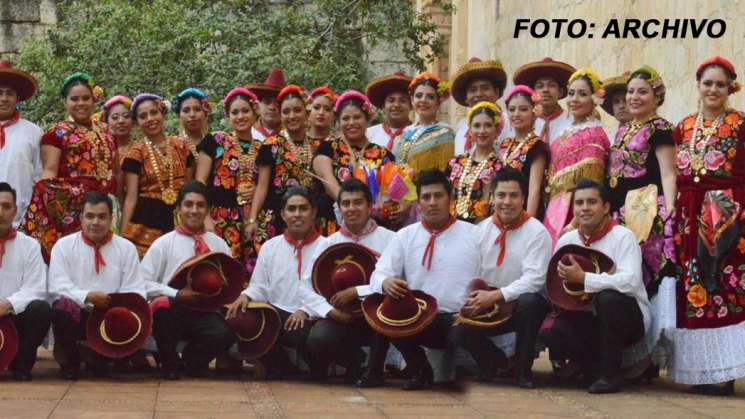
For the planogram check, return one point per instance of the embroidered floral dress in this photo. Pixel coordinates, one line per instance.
(287, 170)
(634, 178)
(581, 151)
(153, 216)
(343, 163)
(87, 164)
(471, 180)
(520, 156)
(233, 165)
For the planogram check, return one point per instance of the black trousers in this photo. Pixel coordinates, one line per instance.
(32, 326)
(330, 340)
(67, 334)
(206, 333)
(596, 340)
(276, 359)
(438, 335)
(530, 310)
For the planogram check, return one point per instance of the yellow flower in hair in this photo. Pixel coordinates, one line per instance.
(595, 83)
(485, 105)
(443, 89)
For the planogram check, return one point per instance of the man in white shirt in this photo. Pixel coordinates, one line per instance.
(22, 286)
(391, 94)
(548, 78)
(269, 122)
(278, 279)
(206, 333)
(20, 162)
(337, 336)
(474, 82)
(438, 256)
(621, 314)
(84, 268)
(515, 251)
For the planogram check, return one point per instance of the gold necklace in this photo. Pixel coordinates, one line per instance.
(509, 154)
(100, 149)
(302, 155)
(167, 194)
(698, 139)
(465, 187)
(632, 129)
(245, 163)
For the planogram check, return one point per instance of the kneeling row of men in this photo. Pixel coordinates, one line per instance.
(423, 291)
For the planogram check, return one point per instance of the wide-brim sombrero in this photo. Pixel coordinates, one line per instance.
(612, 86)
(399, 318)
(378, 89)
(256, 329)
(216, 274)
(529, 73)
(24, 83)
(341, 266)
(569, 296)
(491, 70)
(122, 328)
(495, 316)
(8, 342)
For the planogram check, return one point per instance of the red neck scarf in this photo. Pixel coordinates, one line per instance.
(598, 234)
(8, 237)
(298, 245)
(262, 129)
(369, 227)
(429, 251)
(503, 229)
(200, 246)
(97, 249)
(13, 119)
(393, 133)
(547, 121)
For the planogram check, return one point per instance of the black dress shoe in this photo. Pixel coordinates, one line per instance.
(421, 379)
(526, 382)
(370, 380)
(604, 386)
(21, 375)
(70, 373)
(725, 389)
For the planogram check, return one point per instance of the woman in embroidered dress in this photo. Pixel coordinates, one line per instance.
(472, 172)
(284, 161)
(526, 151)
(77, 157)
(710, 238)
(343, 156)
(227, 166)
(581, 151)
(155, 170)
(321, 113)
(192, 108)
(117, 123)
(427, 144)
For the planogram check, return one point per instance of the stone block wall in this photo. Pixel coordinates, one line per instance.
(21, 19)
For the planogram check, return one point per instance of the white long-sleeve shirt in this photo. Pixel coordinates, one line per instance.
(20, 162)
(376, 241)
(72, 268)
(455, 263)
(167, 253)
(275, 278)
(23, 275)
(528, 251)
(620, 245)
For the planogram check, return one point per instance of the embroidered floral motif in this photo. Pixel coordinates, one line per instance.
(718, 150)
(629, 160)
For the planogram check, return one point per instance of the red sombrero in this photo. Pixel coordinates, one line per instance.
(215, 274)
(256, 329)
(8, 342)
(122, 328)
(476, 69)
(529, 73)
(612, 86)
(342, 266)
(379, 88)
(275, 82)
(571, 296)
(496, 316)
(24, 83)
(399, 318)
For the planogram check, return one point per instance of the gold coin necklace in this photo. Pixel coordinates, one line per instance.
(302, 155)
(168, 194)
(700, 136)
(467, 180)
(633, 128)
(245, 165)
(514, 153)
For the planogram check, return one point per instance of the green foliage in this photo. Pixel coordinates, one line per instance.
(163, 46)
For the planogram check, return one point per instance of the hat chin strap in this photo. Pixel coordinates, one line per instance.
(256, 336)
(105, 337)
(421, 306)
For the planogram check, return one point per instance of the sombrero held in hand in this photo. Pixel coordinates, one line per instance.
(342, 266)
(399, 317)
(569, 296)
(214, 274)
(122, 328)
(493, 316)
(256, 329)
(8, 342)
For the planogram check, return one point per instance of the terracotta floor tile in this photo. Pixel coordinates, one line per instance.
(83, 413)
(203, 406)
(12, 413)
(205, 415)
(429, 410)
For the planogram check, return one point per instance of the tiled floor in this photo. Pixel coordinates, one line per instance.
(134, 397)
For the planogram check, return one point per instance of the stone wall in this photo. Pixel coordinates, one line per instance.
(485, 28)
(20, 19)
